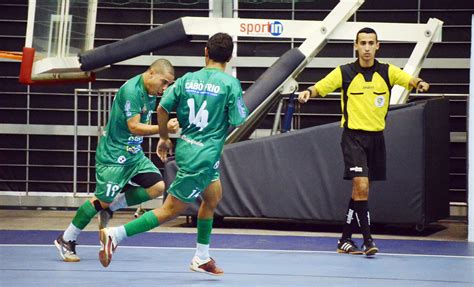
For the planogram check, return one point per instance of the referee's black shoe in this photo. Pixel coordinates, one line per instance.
(370, 248)
(348, 246)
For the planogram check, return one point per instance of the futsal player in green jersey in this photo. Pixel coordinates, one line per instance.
(124, 175)
(365, 87)
(206, 102)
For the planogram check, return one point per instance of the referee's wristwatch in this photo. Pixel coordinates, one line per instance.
(419, 82)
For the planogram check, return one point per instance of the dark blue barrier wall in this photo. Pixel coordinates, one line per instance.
(298, 175)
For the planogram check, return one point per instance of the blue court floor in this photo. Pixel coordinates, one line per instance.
(29, 258)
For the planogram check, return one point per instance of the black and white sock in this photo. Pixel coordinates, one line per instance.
(349, 224)
(363, 218)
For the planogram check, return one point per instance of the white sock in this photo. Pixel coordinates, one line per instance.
(119, 233)
(119, 202)
(202, 251)
(71, 233)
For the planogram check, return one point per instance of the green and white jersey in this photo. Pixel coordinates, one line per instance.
(118, 146)
(207, 102)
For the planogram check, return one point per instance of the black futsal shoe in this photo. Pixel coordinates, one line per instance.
(370, 248)
(348, 246)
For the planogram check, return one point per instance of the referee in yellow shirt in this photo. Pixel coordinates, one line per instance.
(365, 97)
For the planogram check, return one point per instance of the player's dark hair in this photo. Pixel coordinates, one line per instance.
(162, 66)
(219, 47)
(366, 30)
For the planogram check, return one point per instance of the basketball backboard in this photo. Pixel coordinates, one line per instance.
(56, 32)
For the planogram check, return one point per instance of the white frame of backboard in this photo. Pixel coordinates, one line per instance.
(48, 67)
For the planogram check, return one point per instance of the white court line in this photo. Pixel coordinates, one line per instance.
(250, 250)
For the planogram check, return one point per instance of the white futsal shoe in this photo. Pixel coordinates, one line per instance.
(67, 250)
(205, 266)
(108, 244)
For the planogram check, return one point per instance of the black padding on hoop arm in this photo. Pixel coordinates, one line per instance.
(133, 46)
(263, 87)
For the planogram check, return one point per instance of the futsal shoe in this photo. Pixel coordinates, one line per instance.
(348, 246)
(104, 217)
(205, 266)
(370, 248)
(108, 244)
(67, 250)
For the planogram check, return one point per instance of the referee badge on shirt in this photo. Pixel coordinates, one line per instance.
(379, 101)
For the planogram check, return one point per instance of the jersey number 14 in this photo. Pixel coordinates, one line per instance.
(200, 119)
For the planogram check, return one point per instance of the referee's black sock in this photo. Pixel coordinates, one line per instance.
(363, 216)
(350, 222)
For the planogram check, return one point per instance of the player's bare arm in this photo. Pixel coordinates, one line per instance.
(164, 144)
(141, 129)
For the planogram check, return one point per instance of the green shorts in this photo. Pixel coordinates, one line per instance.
(187, 186)
(111, 179)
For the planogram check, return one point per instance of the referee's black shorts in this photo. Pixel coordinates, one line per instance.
(364, 154)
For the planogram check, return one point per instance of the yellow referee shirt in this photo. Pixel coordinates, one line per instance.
(365, 92)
